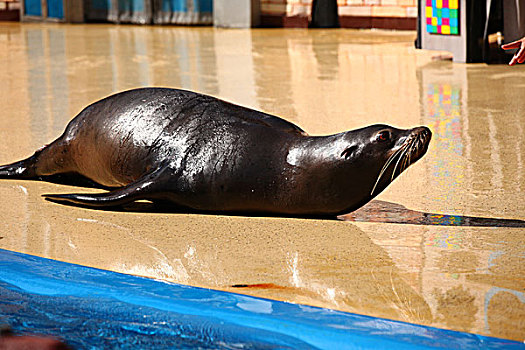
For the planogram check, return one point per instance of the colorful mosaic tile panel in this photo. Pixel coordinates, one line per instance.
(444, 110)
(442, 17)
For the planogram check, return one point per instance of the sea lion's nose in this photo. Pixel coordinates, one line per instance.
(422, 131)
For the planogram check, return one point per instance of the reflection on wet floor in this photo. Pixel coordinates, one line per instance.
(443, 245)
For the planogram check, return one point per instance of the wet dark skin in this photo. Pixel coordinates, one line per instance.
(205, 154)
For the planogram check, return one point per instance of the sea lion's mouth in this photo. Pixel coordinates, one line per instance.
(414, 146)
(417, 144)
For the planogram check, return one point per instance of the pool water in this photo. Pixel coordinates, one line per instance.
(90, 308)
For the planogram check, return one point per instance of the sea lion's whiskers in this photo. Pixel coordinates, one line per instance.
(397, 163)
(409, 159)
(387, 164)
(405, 158)
(404, 164)
(409, 155)
(390, 160)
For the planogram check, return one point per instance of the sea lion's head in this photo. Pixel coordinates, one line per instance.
(377, 154)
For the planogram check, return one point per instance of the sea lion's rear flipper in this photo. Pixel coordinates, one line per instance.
(144, 188)
(50, 160)
(22, 169)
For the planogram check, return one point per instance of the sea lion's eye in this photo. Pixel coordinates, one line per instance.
(383, 136)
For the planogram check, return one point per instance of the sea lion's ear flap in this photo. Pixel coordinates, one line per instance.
(350, 151)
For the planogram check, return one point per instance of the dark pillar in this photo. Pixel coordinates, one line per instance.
(324, 14)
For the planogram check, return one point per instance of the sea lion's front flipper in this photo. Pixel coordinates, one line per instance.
(144, 188)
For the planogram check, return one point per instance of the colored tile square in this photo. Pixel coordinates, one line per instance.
(442, 16)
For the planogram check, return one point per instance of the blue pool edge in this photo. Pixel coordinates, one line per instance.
(281, 323)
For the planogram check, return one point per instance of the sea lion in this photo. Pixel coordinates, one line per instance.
(201, 153)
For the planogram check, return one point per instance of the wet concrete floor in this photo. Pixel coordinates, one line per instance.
(444, 245)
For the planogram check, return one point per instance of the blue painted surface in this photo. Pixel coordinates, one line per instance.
(100, 5)
(91, 308)
(182, 6)
(55, 9)
(131, 5)
(203, 6)
(32, 8)
(177, 5)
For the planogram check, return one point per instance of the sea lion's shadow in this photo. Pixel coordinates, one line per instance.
(165, 207)
(393, 213)
(375, 211)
